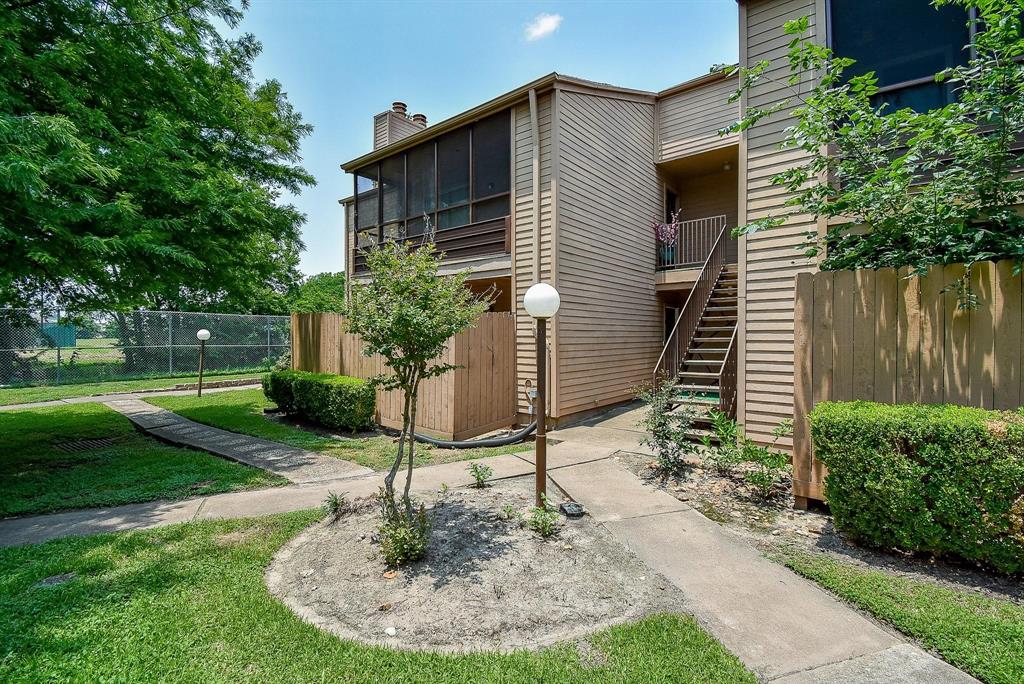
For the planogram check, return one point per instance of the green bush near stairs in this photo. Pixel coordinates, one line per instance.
(945, 480)
(335, 401)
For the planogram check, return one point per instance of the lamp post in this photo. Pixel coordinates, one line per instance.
(541, 302)
(202, 335)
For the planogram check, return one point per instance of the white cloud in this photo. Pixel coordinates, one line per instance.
(543, 24)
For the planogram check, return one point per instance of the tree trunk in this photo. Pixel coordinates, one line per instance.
(412, 443)
(389, 479)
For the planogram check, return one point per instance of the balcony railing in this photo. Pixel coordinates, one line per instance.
(693, 243)
(484, 238)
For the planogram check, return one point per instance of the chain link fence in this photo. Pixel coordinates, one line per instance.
(47, 348)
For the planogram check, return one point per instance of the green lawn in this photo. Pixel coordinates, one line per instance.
(36, 477)
(980, 635)
(25, 395)
(242, 411)
(187, 603)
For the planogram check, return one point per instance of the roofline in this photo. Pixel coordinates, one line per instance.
(706, 79)
(501, 102)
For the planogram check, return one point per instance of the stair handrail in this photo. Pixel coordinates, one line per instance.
(727, 378)
(692, 311)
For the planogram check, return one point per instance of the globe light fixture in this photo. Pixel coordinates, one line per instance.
(541, 302)
(202, 335)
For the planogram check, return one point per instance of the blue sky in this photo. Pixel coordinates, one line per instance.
(343, 62)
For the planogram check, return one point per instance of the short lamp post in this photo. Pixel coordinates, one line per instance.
(202, 335)
(541, 302)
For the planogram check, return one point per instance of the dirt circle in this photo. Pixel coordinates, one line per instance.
(487, 583)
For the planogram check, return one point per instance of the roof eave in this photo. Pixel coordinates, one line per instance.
(700, 81)
(468, 116)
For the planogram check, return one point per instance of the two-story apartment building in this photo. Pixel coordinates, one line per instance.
(558, 181)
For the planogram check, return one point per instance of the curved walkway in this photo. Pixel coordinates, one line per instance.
(297, 465)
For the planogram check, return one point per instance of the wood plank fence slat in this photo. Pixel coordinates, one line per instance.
(889, 336)
(464, 403)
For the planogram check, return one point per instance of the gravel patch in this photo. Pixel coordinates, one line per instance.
(487, 583)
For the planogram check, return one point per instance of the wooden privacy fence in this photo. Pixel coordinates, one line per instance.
(883, 336)
(475, 398)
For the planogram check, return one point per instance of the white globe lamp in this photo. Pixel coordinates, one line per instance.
(541, 301)
(202, 335)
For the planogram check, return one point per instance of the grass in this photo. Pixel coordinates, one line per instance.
(24, 395)
(187, 603)
(980, 635)
(36, 477)
(242, 411)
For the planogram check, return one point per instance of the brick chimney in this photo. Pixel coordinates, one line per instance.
(395, 124)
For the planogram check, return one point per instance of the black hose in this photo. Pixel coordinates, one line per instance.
(472, 443)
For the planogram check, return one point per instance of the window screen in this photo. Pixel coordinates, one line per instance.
(491, 156)
(453, 168)
(392, 187)
(901, 40)
(366, 197)
(420, 166)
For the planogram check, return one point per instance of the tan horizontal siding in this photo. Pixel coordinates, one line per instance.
(610, 322)
(772, 258)
(688, 122)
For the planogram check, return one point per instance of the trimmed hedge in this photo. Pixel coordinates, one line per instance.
(334, 401)
(939, 479)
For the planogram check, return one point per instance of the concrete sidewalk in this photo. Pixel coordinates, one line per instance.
(783, 627)
(118, 396)
(298, 465)
(41, 528)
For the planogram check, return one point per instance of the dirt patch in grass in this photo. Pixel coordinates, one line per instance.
(487, 583)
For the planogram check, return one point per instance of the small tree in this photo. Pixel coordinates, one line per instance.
(903, 188)
(406, 312)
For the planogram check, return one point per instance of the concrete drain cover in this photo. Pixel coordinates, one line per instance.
(77, 445)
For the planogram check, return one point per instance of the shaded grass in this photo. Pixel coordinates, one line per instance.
(980, 635)
(242, 411)
(187, 603)
(25, 395)
(36, 477)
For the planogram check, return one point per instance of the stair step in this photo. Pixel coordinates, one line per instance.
(702, 362)
(704, 340)
(698, 374)
(692, 392)
(718, 307)
(719, 318)
(713, 328)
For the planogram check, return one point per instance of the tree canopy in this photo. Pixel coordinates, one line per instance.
(141, 164)
(323, 292)
(904, 188)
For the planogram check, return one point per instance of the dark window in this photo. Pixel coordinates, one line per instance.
(367, 211)
(492, 150)
(905, 42)
(458, 216)
(420, 166)
(493, 208)
(392, 187)
(453, 169)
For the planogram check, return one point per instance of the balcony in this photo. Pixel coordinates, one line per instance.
(693, 243)
(480, 239)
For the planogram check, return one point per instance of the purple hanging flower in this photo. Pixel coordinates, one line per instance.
(666, 233)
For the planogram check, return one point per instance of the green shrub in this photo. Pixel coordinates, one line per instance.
(334, 401)
(277, 385)
(938, 479)
(543, 519)
(404, 535)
